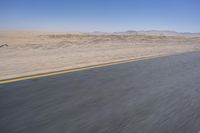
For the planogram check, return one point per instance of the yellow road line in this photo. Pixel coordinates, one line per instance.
(75, 69)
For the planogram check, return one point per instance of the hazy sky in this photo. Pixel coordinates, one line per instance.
(100, 15)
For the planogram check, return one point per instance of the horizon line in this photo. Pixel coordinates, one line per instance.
(96, 31)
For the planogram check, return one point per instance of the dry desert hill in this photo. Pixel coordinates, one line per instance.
(26, 53)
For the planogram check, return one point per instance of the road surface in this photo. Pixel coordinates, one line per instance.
(159, 95)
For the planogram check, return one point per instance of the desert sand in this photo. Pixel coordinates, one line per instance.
(26, 53)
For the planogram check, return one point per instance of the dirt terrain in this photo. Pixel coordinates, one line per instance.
(25, 53)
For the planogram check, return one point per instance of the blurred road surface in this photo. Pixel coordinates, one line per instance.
(159, 95)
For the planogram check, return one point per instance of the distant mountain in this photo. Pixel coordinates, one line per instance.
(149, 32)
(162, 33)
(155, 32)
(131, 31)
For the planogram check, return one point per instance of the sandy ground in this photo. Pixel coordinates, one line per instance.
(35, 52)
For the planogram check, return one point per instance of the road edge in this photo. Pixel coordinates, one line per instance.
(40, 75)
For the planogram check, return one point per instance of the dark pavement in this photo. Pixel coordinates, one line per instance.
(159, 95)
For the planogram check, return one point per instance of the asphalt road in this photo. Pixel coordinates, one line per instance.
(159, 95)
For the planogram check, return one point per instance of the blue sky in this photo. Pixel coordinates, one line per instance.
(100, 15)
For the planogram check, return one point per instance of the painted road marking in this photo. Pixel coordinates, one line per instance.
(76, 69)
